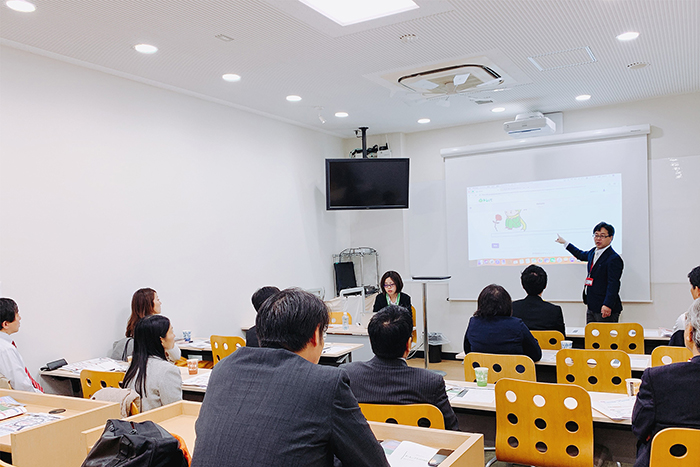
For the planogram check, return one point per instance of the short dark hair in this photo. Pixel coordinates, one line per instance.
(394, 277)
(8, 310)
(534, 279)
(289, 319)
(389, 330)
(694, 276)
(606, 226)
(494, 300)
(262, 294)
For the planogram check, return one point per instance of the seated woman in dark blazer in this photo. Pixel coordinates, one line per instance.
(391, 294)
(492, 329)
(668, 394)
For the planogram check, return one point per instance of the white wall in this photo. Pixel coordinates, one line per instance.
(673, 205)
(108, 185)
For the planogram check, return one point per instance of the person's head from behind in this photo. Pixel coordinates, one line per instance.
(9, 316)
(692, 328)
(603, 234)
(494, 300)
(153, 335)
(292, 319)
(694, 277)
(262, 294)
(391, 283)
(389, 331)
(145, 302)
(533, 279)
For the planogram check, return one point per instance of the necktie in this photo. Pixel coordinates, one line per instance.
(34, 383)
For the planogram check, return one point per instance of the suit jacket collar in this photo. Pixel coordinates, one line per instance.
(695, 359)
(388, 362)
(609, 251)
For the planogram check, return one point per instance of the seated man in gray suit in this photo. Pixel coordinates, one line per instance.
(387, 378)
(274, 406)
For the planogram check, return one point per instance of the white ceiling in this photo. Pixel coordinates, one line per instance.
(282, 47)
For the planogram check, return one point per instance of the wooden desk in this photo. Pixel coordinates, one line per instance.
(59, 440)
(480, 417)
(180, 418)
(333, 354)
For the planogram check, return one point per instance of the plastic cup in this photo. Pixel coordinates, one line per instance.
(567, 344)
(187, 335)
(482, 376)
(192, 366)
(632, 385)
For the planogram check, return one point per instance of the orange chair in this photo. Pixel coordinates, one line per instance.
(628, 337)
(665, 354)
(594, 370)
(424, 415)
(500, 366)
(550, 340)
(675, 447)
(223, 346)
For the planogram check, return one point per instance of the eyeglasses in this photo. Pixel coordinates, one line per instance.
(600, 236)
(388, 285)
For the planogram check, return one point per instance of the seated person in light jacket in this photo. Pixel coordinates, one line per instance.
(154, 378)
(387, 378)
(391, 294)
(668, 393)
(537, 314)
(492, 329)
(258, 298)
(145, 302)
(11, 364)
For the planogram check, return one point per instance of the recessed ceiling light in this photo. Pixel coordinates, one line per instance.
(346, 12)
(583, 97)
(341, 114)
(293, 98)
(146, 48)
(498, 109)
(423, 121)
(20, 5)
(231, 77)
(628, 36)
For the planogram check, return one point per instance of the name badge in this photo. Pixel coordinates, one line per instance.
(589, 281)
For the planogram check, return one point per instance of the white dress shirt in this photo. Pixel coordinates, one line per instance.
(12, 366)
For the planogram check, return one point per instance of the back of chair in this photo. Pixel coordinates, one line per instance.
(543, 424)
(223, 346)
(665, 354)
(500, 366)
(675, 447)
(628, 337)
(414, 335)
(4, 382)
(424, 415)
(550, 340)
(594, 370)
(337, 317)
(92, 381)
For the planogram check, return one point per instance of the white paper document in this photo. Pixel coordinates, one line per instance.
(549, 356)
(409, 454)
(615, 409)
(98, 364)
(478, 396)
(27, 421)
(200, 381)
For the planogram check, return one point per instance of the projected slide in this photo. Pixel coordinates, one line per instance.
(517, 223)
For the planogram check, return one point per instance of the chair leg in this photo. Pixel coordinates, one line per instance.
(491, 462)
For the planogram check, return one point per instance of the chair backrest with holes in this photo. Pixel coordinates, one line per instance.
(543, 424)
(223, 346)
(665, 354)
(92, 381)
(628, 337)
(675, 447)
(336, 317)
(424, 415)
(594, 370)
(550, 340)
(500, 366)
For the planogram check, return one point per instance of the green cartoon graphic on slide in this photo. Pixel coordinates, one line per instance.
(514, 221)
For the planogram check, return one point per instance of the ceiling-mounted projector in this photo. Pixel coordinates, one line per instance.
(530, 124)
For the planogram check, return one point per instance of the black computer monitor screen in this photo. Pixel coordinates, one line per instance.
(367, 183)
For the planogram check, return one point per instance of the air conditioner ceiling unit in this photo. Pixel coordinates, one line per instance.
(530, 124)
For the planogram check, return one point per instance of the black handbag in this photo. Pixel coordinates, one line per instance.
(129, 444)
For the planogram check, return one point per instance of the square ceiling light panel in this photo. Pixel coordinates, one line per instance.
(347, 12)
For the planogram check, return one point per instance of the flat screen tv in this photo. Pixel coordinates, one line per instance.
(366, 184)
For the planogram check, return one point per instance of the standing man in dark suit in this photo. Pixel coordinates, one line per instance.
(668, 394)
(537, 314)
(274, 406)
(602, 286)
(387, 378)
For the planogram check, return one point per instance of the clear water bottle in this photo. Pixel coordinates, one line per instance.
(346, 321)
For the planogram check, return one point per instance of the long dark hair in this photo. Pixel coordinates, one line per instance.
(141, 306)
(147, 343)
